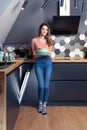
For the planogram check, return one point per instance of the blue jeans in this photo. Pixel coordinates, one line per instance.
(43, 68)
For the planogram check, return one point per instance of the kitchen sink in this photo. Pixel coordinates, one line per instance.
(4, 65)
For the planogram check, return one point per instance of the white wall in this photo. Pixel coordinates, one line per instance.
(9, 10)
(65, 9)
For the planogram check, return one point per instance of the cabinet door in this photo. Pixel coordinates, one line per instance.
(68, 91)
(23, 69)
(12, 97)
(30, 93)
(69, 71)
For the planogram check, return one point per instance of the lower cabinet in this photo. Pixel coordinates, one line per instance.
(12, 98)
(68, 91)
(68, 84)
(25, 67)
(13, 86)
(30, 96)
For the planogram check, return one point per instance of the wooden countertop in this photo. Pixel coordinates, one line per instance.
(54, 60)
(14, 65)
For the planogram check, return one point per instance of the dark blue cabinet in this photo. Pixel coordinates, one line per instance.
(12, 98)
(13, 85)
(68, 85)
(69, 71)
(68, 91)
(30, 95)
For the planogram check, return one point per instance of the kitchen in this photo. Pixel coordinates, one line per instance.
(18, 27)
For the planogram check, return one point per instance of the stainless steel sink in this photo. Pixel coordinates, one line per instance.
(4, 65)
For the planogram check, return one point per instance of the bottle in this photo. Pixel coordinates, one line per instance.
(6, 56)
(10, 56)
(1, 53)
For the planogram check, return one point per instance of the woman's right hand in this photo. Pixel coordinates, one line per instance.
(35, 55)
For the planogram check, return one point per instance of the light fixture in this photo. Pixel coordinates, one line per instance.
(83, 6)
(61, 2)
(75, 3)
(24, 5)
(44, 4)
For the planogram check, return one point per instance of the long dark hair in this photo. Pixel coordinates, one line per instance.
(48, 36)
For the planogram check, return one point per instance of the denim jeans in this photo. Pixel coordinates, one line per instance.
(43, 68)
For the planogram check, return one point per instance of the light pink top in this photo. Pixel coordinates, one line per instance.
(37, 44)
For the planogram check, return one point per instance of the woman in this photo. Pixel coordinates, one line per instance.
(43, 65)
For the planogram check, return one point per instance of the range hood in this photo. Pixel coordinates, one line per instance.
(65, 24)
